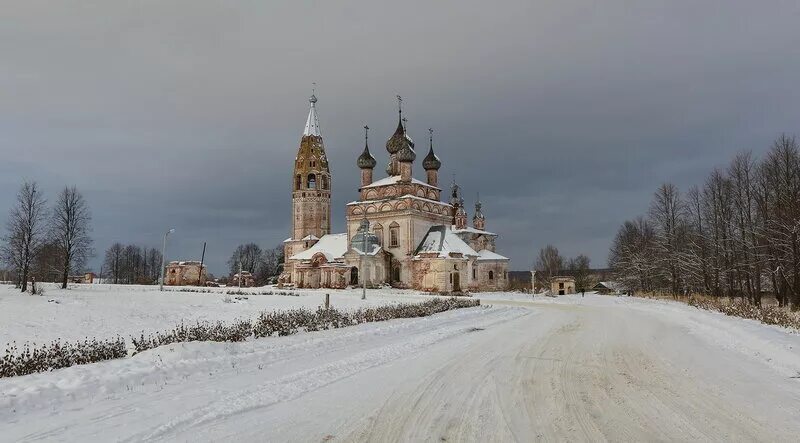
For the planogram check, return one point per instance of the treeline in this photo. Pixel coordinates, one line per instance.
(737, 235)
(46, 243)
(131, 264)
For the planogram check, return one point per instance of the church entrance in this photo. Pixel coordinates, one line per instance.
(354, 276)
(456, 282)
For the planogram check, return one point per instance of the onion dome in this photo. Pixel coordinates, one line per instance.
(431, 161)
(406, 154)
(397, 140)
(366, 160)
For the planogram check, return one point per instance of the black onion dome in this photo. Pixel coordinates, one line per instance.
(431, 161)
(397, 140)
(366, 160)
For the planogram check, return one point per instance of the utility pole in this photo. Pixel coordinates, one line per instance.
(202, 258)
(240, 273)
(163, 256)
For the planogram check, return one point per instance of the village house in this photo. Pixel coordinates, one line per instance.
(562, 285)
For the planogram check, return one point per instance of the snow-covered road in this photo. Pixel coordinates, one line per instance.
(575, 369)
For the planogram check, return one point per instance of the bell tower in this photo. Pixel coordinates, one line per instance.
(311, 188)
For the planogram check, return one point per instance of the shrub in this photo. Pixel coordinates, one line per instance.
(31, 358)
(771, 315)
(200, 331)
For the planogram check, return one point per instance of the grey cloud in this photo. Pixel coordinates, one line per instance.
(564, 115)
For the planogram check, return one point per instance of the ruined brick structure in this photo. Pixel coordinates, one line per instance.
(425, 243)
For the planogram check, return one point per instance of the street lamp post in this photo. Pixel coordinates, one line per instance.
(163, 256)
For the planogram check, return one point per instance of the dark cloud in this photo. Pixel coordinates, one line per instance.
(564, 115)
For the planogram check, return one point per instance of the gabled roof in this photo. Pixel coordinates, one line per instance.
(441, 240)
(333, 246)
(485, 254)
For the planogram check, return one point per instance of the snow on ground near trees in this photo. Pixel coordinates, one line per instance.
(105, 311)
(567, 368)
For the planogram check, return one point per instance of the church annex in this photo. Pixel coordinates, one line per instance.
(423, 242)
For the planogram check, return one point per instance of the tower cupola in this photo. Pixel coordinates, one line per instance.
(478, 220)
(366, 162)
(431, 163)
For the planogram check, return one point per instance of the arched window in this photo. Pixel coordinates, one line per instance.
(298, 182)
(325, 182)
(491, 275)
(394, 235)
(474, 274)
(378, 231)
(312, 181)
(396, 274)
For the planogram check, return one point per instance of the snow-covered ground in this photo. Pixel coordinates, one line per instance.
(567, 368)
(105, 311)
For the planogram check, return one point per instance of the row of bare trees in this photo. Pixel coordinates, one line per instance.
(737, 235)
(131, 264)
(42, 241)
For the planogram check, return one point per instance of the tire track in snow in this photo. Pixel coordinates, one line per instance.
(295, 385)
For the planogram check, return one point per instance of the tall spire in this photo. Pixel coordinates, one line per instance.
(312, 123)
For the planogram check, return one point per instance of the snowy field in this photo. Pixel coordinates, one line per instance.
(104, 311)
(568, 368)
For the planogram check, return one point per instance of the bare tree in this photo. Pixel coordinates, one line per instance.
(113, 262)
(249, 255)
(269, 265)
(579, 267)
(70, 230)
(549, 263)
(25, 231)
(668, 216)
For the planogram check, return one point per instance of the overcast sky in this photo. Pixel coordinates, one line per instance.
(564, 115)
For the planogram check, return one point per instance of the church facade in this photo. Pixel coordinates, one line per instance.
(423, 243)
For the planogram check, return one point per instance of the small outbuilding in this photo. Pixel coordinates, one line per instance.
(247, 278)
(608, 288)
(562, 285)
(185, 273)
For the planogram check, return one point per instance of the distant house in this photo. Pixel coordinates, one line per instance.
(185, 273)
(83, 278)
(247, 280)
(609, 287)
(562, 285)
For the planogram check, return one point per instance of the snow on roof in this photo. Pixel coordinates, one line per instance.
(288, 240)
(442, 240)
(472, 231)
(333, 246)
(310, 237)
(414, 197)
(485, 254)
(394, 179)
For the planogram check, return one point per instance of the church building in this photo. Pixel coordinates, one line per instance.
(423, 243)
